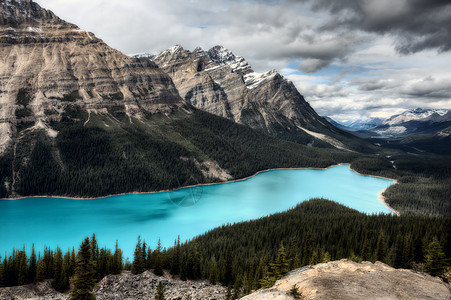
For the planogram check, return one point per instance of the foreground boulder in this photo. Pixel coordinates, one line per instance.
(346, 279)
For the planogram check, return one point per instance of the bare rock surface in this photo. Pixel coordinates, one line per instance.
(47, 64)
(224, 84)
(126, 286)
(346, 279)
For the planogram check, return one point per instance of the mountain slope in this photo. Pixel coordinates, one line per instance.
(79, 118)
(48, 64)
(221, 83)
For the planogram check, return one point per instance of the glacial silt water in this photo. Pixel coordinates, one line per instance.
(186, 212)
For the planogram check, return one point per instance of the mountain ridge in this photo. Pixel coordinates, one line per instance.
(81, 119)
(221, 83)
(49, 64)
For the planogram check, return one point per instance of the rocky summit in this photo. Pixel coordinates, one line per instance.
(348, 280)
(47, 64)
(224, 84)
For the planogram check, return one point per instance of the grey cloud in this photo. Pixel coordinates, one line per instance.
(417, 24)
(311, 65)
(429, 88)
(340, 76)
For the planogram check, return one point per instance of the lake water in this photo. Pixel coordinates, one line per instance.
(186, 212)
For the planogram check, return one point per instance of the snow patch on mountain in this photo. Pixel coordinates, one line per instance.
(253, 80)
(413, 115)
(224, 56)
(141, 55)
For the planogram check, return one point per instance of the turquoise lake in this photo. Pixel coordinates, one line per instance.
(186, 212)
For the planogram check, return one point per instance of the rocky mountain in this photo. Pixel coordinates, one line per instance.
(48, 64)
(79, 118)
(346, 279)
(415, 121)
(221, 83)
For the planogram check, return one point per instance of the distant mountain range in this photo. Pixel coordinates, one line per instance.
(415, 121)
(417, 131)
(356, 125)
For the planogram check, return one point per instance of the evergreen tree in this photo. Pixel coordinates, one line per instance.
(22, 277)
(366, 252)
(85, 277)
(95, 254)
(418, 249)
(229, 292)
(48, 263)
(228, 270)
(149, 259)
(326, 257)
(40, 272)
(158, 262)
(435, 260)
(213, 272)
(407, 250)
(293, 255)
(175, 261)
(60, 281)
(397, 254)
(160, 292)
(193, 262)
(138, 263)
(117, 266)
(281, 265)
(380, 253)
(316, 256)
(308, 248)
(73, 263)
(32, 270)
(144, 255)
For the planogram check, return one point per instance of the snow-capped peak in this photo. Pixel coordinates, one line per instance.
(224, 56)
(414, 114)
(142, 55)
(174, 49)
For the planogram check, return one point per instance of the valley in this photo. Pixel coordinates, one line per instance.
(193, 166)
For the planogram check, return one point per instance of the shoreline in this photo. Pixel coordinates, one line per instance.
(380, 197)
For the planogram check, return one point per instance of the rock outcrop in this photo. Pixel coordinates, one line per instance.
(47, 64)
(126, 286)
(346, 279)
(223, 84)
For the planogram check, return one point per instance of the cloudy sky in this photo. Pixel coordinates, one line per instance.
(349, 58)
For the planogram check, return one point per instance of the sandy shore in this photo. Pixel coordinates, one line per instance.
(380, 196)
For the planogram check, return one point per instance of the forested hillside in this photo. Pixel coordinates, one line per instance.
(253, 254)
(103, 154)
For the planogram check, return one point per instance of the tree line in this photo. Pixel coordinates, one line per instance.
(86, 267)
(253, 254)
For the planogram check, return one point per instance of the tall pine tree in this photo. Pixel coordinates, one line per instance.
(85, 276)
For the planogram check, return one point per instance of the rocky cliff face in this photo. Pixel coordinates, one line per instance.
(349, 280)
(221, 83)
(47, 64)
